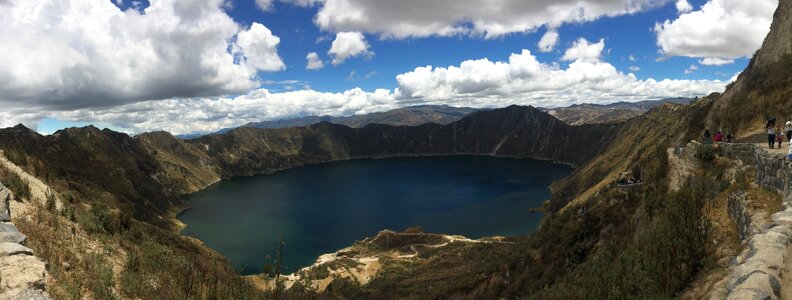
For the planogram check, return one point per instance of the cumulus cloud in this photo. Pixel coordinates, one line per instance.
(548, 41)
(583, 50)
(347, 45)
(210, 114)
(72, 54)
(487, 18)
(634, 68)
(259, 48)
(524, 80)
(683, 6)
(721, 30)
(475, 83)
(314, 62)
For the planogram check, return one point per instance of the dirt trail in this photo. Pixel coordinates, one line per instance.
(783, 150)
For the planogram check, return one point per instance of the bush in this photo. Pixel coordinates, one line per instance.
(20, 187)
(705, 153)
(101, 219)
(51, 201)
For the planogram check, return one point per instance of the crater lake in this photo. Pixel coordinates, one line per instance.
(318, 209)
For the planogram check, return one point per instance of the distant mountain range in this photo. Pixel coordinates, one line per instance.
(578, 114)
(408, 116)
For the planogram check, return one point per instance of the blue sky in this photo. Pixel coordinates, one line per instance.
(197, 66)
(624, 36)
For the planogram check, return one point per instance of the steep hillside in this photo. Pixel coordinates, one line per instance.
(764, 89)
(513, 131)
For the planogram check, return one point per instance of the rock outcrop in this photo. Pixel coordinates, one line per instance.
(21, 274)
(5, 206)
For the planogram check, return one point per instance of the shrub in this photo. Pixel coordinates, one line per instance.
(51, 201)
(19, 186)
(705, 153)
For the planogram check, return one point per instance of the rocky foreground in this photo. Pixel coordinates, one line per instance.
(22, 275)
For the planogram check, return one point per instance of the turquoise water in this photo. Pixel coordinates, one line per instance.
(322, 208)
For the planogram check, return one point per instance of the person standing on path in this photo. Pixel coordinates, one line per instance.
(771, 136)
(707, 136)
(779, 137)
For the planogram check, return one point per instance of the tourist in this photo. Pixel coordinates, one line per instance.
(788, 128)
(779, 137)
(771, 136)
(719, 137)
(729, 138)
(707, 136)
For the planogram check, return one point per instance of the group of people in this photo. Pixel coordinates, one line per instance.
(628, 181)
(775, 135)
(719, 137)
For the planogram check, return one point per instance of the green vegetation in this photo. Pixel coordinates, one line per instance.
(20, 187)
(657, 263)
(51, 201)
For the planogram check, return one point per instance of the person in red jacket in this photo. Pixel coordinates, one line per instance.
(719, 137)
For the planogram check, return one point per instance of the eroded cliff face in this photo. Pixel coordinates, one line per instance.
(514, 131)
(764, 89)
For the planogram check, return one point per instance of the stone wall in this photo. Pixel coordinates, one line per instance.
(749, 222)
(756, 272)
(21, 273)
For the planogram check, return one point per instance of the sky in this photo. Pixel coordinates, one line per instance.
(188, 66)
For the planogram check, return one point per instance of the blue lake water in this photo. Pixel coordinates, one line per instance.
(322, 208)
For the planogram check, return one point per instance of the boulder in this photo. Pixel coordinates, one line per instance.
(12, 237)
(20, 272)
(7, 249)
(757, 285)
(8, 227)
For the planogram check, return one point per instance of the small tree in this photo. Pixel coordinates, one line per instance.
(51, 201)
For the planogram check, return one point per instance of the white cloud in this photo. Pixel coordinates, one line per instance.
(70, 54)
(692, 69)
(265, 5)
(476, 83)
(205, 114)
(524, 80)
(347, 45)
(634, 68)
(259, 48)
(683, 6)
(721, 29)
(548, 41)
(487, 18)
(314, 62)
(631, 58)
(713, 61)
(583, 50)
